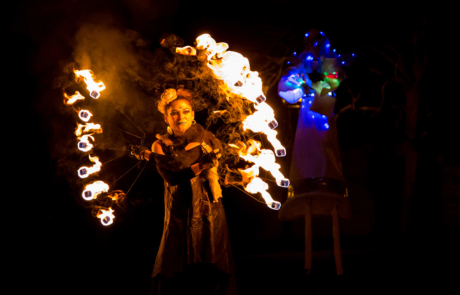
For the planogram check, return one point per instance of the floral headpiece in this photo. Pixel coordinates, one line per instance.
(167, 97)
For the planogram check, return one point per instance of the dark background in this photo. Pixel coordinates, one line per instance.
(60, 248)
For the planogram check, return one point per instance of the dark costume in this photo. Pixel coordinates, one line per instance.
(195, 250)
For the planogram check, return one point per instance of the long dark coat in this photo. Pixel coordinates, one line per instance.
(195, 227)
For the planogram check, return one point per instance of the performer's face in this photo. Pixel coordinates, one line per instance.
(179, 116)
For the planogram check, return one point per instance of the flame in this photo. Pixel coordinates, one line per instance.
(263, 158)
(234, 69)
(92, 190)
(106, 216)
(257, 185)
(93, 87)
(187, 50)
(72, 99)
(84, 115)
(84, 171)
(84, 145)
(88, 128)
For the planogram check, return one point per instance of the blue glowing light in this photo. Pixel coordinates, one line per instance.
(329, 93)
(288, 62)
(307, 34)
(295, 53)
(313, 116)
(339, 55)
(310, 102)
(321, 33)
(333, 50)
(328, 45)
(343, 62)
(316, 43)
(352, 54)
(324, 116)
(326, 125)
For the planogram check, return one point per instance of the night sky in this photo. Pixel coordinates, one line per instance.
(62, 249)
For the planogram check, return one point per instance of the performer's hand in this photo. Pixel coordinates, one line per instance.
(138, 151)
(209, 160)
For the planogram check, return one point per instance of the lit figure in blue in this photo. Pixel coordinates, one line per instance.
(316, 168)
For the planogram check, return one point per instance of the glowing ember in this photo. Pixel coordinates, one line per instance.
(72, 99)
(92, 190)
(93, 87)
(89, 128)
(84, 145)
(84, 115)
(84, 171)
(106, 216)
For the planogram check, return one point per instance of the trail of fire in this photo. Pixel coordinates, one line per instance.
(106, 216)
(92, 190)
(93, 87)
(72, 99)
(84, 171)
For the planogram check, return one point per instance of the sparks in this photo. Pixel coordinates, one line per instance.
(84, 145)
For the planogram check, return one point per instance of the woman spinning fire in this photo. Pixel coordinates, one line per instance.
(194, 255)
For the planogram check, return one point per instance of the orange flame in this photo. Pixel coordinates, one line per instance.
(92, 190)
(106, 216)
(72, 99)
(93, 87)
(84, 171)
(88, 128)
(257, 185)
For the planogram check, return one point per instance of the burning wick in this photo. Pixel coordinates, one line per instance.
(93, 87)
(84, 145)
(72, 99)
(84, 171)
(106, 216)
(258, 186)
(92, 190)
(84, 115)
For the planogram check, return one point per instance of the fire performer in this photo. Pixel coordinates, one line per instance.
(194, 255)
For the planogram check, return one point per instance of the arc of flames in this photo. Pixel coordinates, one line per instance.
(70, 100)
(234, 69)
(88, 128)
(106, 216)
(84, 171)
(93, 87)
(92, 190)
